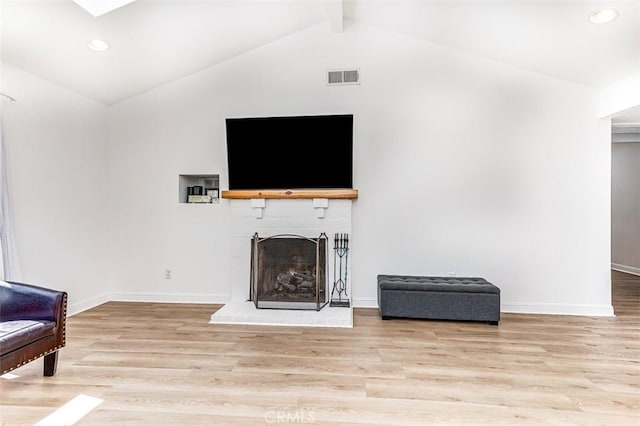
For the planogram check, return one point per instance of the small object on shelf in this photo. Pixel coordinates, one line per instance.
(212, 192)
(200, 199)
(194, 190)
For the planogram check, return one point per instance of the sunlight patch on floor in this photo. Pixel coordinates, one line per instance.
(9, 376)
(71, 412)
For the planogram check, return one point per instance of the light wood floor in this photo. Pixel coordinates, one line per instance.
(163, 364)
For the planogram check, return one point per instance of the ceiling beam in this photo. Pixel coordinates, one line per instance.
(335, 14)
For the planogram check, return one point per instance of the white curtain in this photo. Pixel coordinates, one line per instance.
(8, 266)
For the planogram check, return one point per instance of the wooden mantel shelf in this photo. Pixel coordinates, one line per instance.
(351, 194)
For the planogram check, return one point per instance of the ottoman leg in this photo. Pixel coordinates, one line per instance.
(493, 322)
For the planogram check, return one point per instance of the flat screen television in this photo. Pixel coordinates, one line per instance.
(293, 152)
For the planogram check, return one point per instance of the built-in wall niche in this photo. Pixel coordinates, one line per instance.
(198, 189)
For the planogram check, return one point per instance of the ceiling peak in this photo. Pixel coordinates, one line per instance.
(100, 7)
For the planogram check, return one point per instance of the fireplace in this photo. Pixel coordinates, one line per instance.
(289, 272)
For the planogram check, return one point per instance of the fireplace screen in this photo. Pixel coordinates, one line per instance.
(289, 272)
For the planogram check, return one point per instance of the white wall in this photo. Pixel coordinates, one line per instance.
(462, 164)
(57, 164)
(625, 207)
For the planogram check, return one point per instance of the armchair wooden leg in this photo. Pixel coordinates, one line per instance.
(50, 363)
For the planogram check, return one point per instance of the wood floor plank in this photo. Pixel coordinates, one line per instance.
(470, 391)
(165, 364)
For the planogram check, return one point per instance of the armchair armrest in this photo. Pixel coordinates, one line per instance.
(20, 301)
(26, 303)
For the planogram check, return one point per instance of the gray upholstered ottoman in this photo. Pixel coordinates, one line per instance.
(447, 298)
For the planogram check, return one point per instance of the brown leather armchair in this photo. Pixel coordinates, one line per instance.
(32, 325)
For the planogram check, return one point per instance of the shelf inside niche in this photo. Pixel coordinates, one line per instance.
(206, 181)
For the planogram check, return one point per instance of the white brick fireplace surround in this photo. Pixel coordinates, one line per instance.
(268, 217)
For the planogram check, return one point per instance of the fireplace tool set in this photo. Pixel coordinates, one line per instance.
(339, 295)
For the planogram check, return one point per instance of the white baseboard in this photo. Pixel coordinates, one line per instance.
(624, 268)
(365, 302)
(513, 307)
(77, 307)
(558, 309)
(169, 297)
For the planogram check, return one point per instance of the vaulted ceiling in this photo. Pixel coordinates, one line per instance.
(156, 41)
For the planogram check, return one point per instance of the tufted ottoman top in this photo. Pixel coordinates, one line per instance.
(443, 284)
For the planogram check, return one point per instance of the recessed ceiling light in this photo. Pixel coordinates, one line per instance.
(98, 45)
(603, 16)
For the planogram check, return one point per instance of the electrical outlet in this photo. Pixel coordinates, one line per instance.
(451, 274)
(167, 274)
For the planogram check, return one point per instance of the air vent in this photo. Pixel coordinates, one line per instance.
(342, 77)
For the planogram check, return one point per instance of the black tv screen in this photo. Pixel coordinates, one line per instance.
(296, 152)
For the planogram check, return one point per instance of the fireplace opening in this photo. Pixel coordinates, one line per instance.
(289, 272)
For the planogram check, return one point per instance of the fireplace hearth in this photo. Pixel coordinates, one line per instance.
(289, 272)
